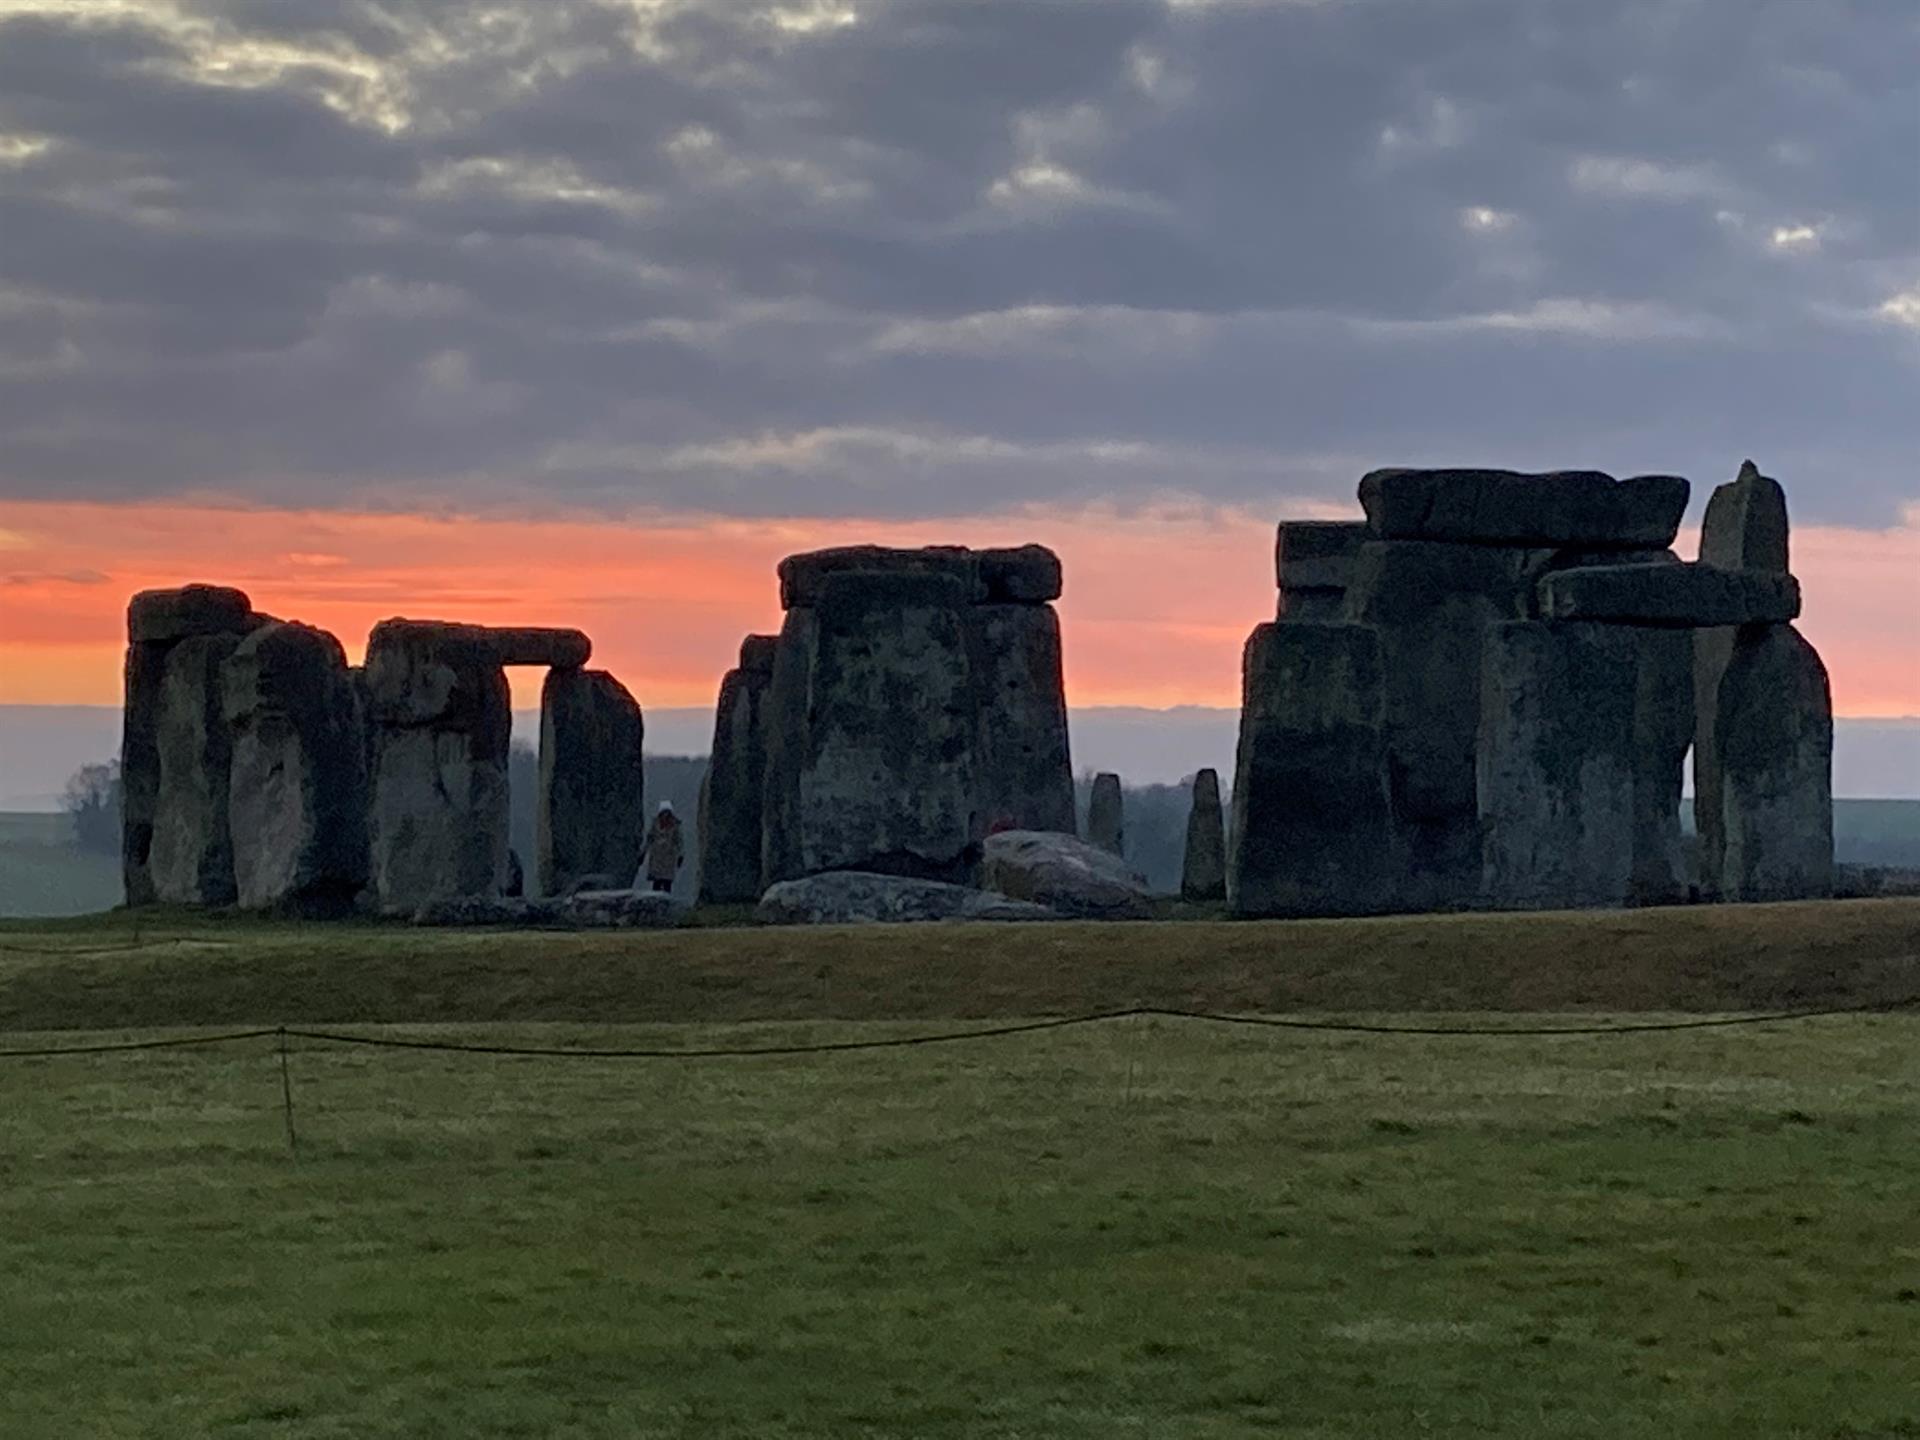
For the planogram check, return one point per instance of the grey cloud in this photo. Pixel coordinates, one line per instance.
(953, 254)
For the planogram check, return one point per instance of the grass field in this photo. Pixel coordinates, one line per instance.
(1139, 1228)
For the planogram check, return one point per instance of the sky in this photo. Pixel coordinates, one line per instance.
(586, 311)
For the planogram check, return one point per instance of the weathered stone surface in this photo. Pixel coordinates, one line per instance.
(1774, 747)
(1431, 604)
(732, 789)
(1064, 874)
(1024, 771)
(1318, 554)
(437, 705)
(146, 667)
(1312, 829)
(1310, 605)
(478, 910)
(166, 616)
(1203, 871)
(191, 860)
(589, 816)
(620, 910)
(1556, 765)
(1106, 816)
(1746, 524)
(757, 653)
(855, 897)
(1663, 728)
(1025, 574)
(1503, 507)
(872, 732)
(1745, 529)
(298, 790)
(1689, 596)
(557, 649)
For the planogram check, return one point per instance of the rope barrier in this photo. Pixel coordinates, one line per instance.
(948, 1037)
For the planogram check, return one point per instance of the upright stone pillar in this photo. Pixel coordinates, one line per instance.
(1556, 765)
(730, 793)
(191, 861)
(1774, 751)
(1745, 528)
(298, 806)
(1203, 872)
(1312, 826)
(1025, 768)
(873, 730)
(1106, 817)
(589, 818)
(158, 621)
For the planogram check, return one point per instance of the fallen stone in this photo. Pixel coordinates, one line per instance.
(1745, 529)
(1689, 596)
(731, 790)
(1203, 871)
(589, 815)
(1312, 830)
(191, 859)
(1064, 874)
(852, 897)
(872, 732)
(298, 789)
(486, 910)
(620, 910)
(1024, 772)
(1556, 765)
(1774, 747)
(1503, 507)
(166, 616)
(1106, 815)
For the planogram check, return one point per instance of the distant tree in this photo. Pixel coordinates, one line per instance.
(92, 799)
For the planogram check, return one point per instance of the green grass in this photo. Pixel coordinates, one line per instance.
(1145, 1229)
(42, 873)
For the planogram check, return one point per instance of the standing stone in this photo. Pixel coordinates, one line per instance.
(191, 861)
(1745, 529)
(1774, 754)
(1312, 826)
(1432, 605)
(157, 621)
(873, 731)
(589, 817)
(1025, 770)
(1663, 727)
(730, 792)
(1556, 765)
(298, 793)
(1203, 872)
(1106, 819)
(439, 712)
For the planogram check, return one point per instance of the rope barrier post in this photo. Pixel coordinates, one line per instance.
(286, 1096)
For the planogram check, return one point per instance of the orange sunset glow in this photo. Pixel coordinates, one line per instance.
(1157, 603)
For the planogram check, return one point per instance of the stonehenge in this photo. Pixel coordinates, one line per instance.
(1483, 694)
(1499, 713)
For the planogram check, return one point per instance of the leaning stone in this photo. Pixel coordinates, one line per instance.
(1690, 596)
(1106, 816)
(731, 789)
(872, 732)
(1503, 507)
(438, 708)
(298, 794)
(1745, 529)
(166, 616)
(1431, 605)
(1203, 871)
(803, 578)
(1774, 745)
(589, 816)
(853, 897)
(191, 861)
(1024, 771)
(1064, 874)
(1556, 765)
(1312, 829)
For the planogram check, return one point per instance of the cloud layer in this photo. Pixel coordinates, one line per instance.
(892, 258)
